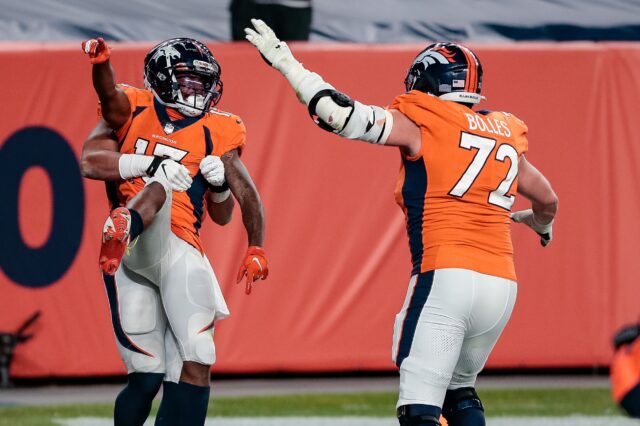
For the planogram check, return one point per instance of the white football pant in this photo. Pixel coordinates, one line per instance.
(449, 323)
(164, 299)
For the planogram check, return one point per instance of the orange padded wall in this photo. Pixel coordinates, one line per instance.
(335, 239)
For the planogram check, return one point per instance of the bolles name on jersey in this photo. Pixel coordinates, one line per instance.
(488, 124)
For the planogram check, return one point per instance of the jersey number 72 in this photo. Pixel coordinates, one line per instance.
(485, 146)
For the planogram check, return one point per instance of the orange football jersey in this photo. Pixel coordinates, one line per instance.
(457, 192)
(625, 370)
(151, 131)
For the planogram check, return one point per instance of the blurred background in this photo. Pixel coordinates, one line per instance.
(338, 251)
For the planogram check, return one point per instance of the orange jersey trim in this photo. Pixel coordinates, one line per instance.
(625, 370)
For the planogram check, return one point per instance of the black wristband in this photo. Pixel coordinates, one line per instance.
(219, 189)
(155, 163)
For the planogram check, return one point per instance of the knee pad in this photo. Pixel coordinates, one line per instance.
(418, 415)
(138, 309)
(203, 350)
(460, 399)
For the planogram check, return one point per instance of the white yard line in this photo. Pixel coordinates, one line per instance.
(370, 421)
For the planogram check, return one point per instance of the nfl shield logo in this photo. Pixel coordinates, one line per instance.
(168, 128)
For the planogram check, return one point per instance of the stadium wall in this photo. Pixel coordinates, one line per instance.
(335, 240)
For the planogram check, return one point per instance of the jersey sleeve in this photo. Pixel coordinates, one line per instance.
(134, 95)
(520, 130)
(233, 136)
(416, 106)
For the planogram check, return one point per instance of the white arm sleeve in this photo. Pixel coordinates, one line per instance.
(352, 120)
(368, 123)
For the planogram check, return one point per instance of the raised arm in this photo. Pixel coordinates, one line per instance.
(334, 110)
(254, 265)
(113, 101)
(544, 202)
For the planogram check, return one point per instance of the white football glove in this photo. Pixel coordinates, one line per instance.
(212, 168)
(274, 51)
(528, 218)
(175, 173)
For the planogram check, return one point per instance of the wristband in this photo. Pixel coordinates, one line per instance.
(133, 165)
(538, 226)
(219, 197)
(155, 163)
(222, 188)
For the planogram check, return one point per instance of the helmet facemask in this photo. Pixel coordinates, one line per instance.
(183, 74)
(193, 93)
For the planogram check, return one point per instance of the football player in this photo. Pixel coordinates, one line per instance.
(173, 153)
(625, 369)
(460, 171)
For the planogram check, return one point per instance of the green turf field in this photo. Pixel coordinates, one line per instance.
(538, 402)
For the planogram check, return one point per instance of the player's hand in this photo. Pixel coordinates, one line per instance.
(212, 169)
(544, 230)
(97, 50)
(254, 267)
(174, 172)
(274, 51)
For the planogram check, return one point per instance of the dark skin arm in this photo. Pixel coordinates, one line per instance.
(221, 213)
(245, 192)
(100, 154)
(113, 101)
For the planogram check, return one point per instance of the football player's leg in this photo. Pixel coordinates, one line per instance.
(139, 325)
(167, 414)
(190, 296)
(493, 303)
(428, 335)
(154, 205)
(133, 403)
(124, 224)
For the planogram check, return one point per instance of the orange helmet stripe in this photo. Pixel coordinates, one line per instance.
(471, 82)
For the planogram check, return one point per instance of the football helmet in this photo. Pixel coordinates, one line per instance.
(449, 71)
(183, 74)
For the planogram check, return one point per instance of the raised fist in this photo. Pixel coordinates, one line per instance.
(97, 50)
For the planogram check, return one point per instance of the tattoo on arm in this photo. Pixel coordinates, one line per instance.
(245, 192)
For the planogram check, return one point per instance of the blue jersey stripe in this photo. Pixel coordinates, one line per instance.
(414, 189)
(208, 143)
(424, 281)
(112, 294)
(196, 196)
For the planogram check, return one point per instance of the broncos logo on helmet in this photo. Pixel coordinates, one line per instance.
(439, 55)
(172, 59)
(447, 70)
(168, 52)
